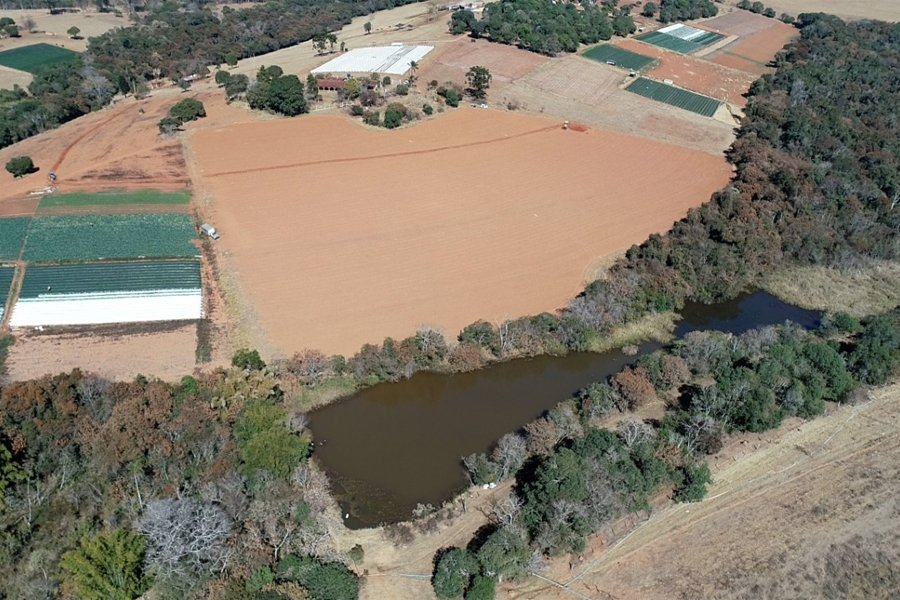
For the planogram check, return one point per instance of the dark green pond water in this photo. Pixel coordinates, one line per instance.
(392, 446)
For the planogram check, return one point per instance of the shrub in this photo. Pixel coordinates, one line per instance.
(357, 111)
(393, 116)
(403, 89)
(427, 109)
(248, 359)
(259, 579)
(323, 580)
(452, 97)
(222, 77)
(372, 118)
(188, 109)
(20, 165)
(694, 487)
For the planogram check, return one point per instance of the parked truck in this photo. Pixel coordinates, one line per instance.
(209, 230)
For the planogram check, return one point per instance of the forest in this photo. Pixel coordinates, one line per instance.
(203, 488)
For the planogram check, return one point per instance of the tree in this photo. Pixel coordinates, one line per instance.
(402, 90)
(453, 573)
(413, 67)
(20, 166)
(107, 567)
(343, 45)
(312, 87)
(393, 116)
(650, 9)
(351, 89)
(236, 85)
(386, 81)
(323, 580)
(10, 472)
(482, 588)
(188, 109)
(770, 12)
(12, 31)
(505, 553)
(185, 536)
(479, 80)
(222, 77)
(367, 27)
(247, 359)
(286, 96)
(169, 125)
(452, 98)
(73, 32)
(231, 59)
(332, 40)
(265, 442)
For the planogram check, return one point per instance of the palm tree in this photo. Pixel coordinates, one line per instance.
(413, 67)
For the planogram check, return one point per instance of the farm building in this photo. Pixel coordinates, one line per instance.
(386, 60)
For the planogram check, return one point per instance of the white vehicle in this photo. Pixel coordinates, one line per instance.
(209, 230)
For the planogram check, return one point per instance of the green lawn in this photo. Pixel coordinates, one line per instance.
(113, 198)
(29, 58)
(622, 58)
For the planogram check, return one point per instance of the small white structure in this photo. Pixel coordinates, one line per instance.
(385, 60)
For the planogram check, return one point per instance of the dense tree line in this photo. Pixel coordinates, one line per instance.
(685, 10)
(544, 26)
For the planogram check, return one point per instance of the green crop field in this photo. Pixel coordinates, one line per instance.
(12, 234)
(622, 58)
(29, 58)
(674, 96)
(670, 42)
(114, 198)
(97, 237)
(111, 277)
(6, 277)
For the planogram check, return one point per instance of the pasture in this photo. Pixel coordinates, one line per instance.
(622, 58)
(30, 58)
(674, 96)
(377, 233)
(104, 237)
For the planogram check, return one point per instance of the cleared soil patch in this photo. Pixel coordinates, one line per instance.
(115, 352)
(18, 207)
(576, 78)
(739, 22)
(695, 74)
(505, 63)
(763, 45)
(376, 233)
(736, 62)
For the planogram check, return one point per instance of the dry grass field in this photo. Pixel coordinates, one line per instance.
(596, 100)
(451, 61)
(117, 353)
(738, 22)
(762, 46)
(883, 10)
(343, 235)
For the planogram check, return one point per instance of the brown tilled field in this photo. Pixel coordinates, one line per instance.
(884, 10)
(741, 64)
(452, 61)
(739, 22)
(762, 46)
(343, 235)
(695, 74)
(576, 78)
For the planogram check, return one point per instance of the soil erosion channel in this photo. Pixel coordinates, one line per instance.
(392, 446)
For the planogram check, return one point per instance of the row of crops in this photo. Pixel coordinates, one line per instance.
(98, 237)
(622, 58)
(82, 294)
(670, 94)
(6, 277)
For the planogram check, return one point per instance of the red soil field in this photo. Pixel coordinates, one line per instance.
(452, 61)
(763, 45)
(358, 234)
(695, 74)
(736, 62)
(739, 22)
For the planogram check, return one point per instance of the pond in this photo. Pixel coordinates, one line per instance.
(392, 446)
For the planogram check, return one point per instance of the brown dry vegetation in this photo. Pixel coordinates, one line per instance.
(343, 235)
(863, 292)
(739, 22)
(115, 352)
(452, 61)
(763, 45)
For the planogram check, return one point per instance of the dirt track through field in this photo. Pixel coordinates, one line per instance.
(441, 223)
